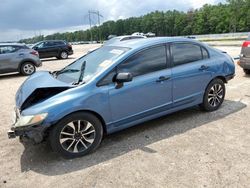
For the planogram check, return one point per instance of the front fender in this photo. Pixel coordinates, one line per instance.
(71, 101)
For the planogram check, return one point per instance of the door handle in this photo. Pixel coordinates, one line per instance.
(203, 67)
(163, 78)
(21, 54)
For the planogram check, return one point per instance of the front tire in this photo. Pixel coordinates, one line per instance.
(27, 69)
(76, 135)
(214, 95)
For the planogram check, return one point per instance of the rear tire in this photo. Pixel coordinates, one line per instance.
(214, 95)
(247, 71)
(27, 69)
(76, 135)
(63, 55)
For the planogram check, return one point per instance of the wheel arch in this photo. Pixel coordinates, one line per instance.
(202, 105)
(99, 117)
(217, 77)
(25, 61)
(223, 78)
(62, 50)
(86, 111)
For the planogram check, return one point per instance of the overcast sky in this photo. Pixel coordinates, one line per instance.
(23, 18)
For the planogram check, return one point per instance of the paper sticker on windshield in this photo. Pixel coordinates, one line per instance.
(105, 63)
(117, 52)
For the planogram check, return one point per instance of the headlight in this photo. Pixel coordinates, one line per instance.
(24, 121)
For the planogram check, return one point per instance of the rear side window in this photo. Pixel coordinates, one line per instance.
(22, 47)
(146, 61)
(204, 53)
(8, 49)
(48, 44)
(183, 53)
(59, 43)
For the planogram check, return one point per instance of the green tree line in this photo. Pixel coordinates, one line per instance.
(232, 16)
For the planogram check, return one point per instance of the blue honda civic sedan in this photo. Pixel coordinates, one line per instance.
(118, 86)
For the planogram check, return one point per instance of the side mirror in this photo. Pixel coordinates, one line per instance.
(123, 77)
(35, 48)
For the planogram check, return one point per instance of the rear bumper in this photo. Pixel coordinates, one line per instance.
(244, 63)
(70, 52)
(38, 62)
(230, 77)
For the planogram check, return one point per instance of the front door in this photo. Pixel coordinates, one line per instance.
(150, 91)
(45, 49)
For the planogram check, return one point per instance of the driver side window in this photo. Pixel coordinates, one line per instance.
(146, 61)
(108, 79)
(143, 62)
(41, 45)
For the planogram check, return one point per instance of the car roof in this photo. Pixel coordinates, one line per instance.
(127, 36)
(11, 44)
(144, 42)
(53, 41)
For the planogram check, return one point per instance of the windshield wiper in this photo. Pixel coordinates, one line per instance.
(81, 74)
(67, 71)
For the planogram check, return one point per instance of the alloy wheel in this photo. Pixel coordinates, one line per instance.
(28, 69)
(64, 55)
(77, 136)
(215, 95)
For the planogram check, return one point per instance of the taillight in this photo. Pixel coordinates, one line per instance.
(35, 53)
(246, 44)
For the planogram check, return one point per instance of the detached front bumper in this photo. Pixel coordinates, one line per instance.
(34, 132)
(11, 134)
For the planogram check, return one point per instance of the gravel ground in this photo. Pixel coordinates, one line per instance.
(189, 148)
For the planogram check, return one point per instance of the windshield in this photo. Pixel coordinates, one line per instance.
(84, 68)
(36, 44)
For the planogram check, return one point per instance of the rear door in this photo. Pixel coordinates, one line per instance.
(55, 47)
(191, 72)
(50, 48)
(8, 58)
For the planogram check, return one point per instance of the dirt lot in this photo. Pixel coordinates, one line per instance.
(186, 149)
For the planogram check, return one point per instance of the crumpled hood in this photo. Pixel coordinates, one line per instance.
(39, 80)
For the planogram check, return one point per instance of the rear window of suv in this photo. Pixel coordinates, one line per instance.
(59, 43)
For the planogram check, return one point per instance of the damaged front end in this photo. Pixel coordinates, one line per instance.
(29, 127)
(40, 95)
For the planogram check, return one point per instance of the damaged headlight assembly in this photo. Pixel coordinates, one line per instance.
(29, 120)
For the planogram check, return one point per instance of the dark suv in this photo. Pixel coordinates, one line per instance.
(53, 48)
